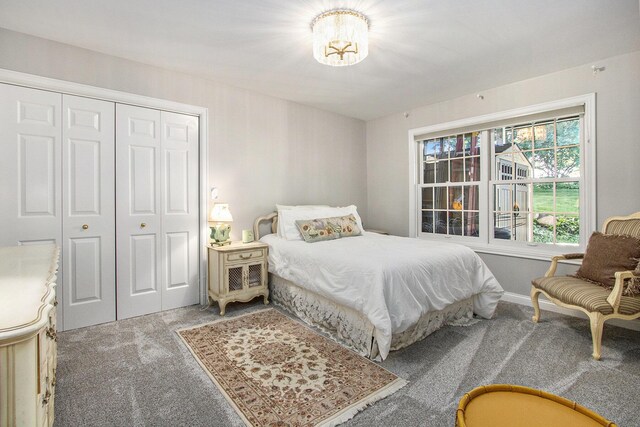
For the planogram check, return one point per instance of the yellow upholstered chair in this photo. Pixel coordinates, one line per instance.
(599, 303)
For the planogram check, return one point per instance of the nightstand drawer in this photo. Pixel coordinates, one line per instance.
(245, 255)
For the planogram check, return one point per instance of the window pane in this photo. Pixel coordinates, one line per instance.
(502, 226)
(568, 229)
(471, 198)
(523, 167)
(544, 163)
(440, 222)
(457, 170)
(568, 162)
(440, 198)
(543, 197)
(568, 132)
(455, 223)
(520, 227)
(467, 144)
(475, 143)
(522, 137)
(509, 137)
(521, 202)
(459, 150)
(442, 171)
(429, 173)
(568, 197)
(503, 199)
(543, 227)
(472, 169)
(449, 147)
(498, 139)
(455, 198)
(527, 162)
(543, 135)
(427, 221)
(471, 224)
(430, 147)
(427, 198)
(504, 166)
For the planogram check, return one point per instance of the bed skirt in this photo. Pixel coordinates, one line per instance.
(352, 328)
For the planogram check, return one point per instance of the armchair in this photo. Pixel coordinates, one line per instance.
(599, 303)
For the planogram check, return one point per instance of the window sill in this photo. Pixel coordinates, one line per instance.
(526, 254)
(534, 253)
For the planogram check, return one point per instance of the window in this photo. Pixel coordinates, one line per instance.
(520, 179)
(536, 181)
(451, 181)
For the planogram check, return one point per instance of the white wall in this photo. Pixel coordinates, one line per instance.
(618, 148)
(262, 150)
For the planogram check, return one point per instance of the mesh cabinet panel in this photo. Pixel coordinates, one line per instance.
(255, 275)
(235, 279)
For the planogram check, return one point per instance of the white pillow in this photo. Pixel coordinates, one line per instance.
(281, 208)
(288, 217)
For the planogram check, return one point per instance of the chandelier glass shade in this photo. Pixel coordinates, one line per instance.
(340, 37)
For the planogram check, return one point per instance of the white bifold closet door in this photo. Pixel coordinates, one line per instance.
(156, 210)
(30, 166)
(88, 227)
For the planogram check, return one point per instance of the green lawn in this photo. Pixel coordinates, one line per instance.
(567, 198)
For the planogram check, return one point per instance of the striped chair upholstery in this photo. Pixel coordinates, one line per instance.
(598, 303)
(589, 296)
(630, 227)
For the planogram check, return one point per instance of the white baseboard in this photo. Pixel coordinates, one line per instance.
(547, 305)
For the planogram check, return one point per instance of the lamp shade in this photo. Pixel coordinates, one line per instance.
(340, 37)
(221, 213)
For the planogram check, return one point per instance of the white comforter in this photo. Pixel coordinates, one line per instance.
(391, 280)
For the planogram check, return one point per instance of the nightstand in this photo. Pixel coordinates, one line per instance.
(238, 272)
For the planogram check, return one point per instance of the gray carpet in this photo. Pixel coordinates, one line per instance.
(137, 372)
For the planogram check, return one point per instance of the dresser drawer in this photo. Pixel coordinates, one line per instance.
(255, 254)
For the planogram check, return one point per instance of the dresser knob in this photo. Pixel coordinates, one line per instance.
(143, 225)
(85, 226)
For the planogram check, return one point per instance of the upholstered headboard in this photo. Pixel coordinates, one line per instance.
(273, 217)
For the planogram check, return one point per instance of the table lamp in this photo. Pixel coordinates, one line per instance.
(221, 215)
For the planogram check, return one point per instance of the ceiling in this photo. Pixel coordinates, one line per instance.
(421, 51)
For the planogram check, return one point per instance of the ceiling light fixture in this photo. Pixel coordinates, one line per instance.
(340, 37)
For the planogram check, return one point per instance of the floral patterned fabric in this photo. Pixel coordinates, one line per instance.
(278, 372)
(353, 329)
(319, 229)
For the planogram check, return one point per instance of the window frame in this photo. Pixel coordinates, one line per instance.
(485, 242)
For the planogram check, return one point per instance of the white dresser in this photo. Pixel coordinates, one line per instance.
(27, 334)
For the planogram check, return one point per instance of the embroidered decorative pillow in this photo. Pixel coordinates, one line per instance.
(605, 255)
(319, 229)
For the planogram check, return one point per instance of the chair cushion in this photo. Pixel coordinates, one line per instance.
(592, 297)
(606, 254)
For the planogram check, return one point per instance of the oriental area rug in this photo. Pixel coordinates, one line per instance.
(276, 371)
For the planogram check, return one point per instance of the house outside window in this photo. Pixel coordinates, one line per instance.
(521, 180)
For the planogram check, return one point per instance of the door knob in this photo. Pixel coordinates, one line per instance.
(143, 225)
(85, 226)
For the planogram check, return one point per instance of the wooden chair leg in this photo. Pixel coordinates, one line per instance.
(535, 293)
(597, 325)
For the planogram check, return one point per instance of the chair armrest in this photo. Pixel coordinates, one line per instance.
(616, 294)
(554, 262)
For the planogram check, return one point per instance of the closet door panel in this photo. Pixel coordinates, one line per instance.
(30, 166)
(179, 180)
(89, 211)
(138, 219)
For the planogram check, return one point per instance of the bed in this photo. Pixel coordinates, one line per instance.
(376, 293)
